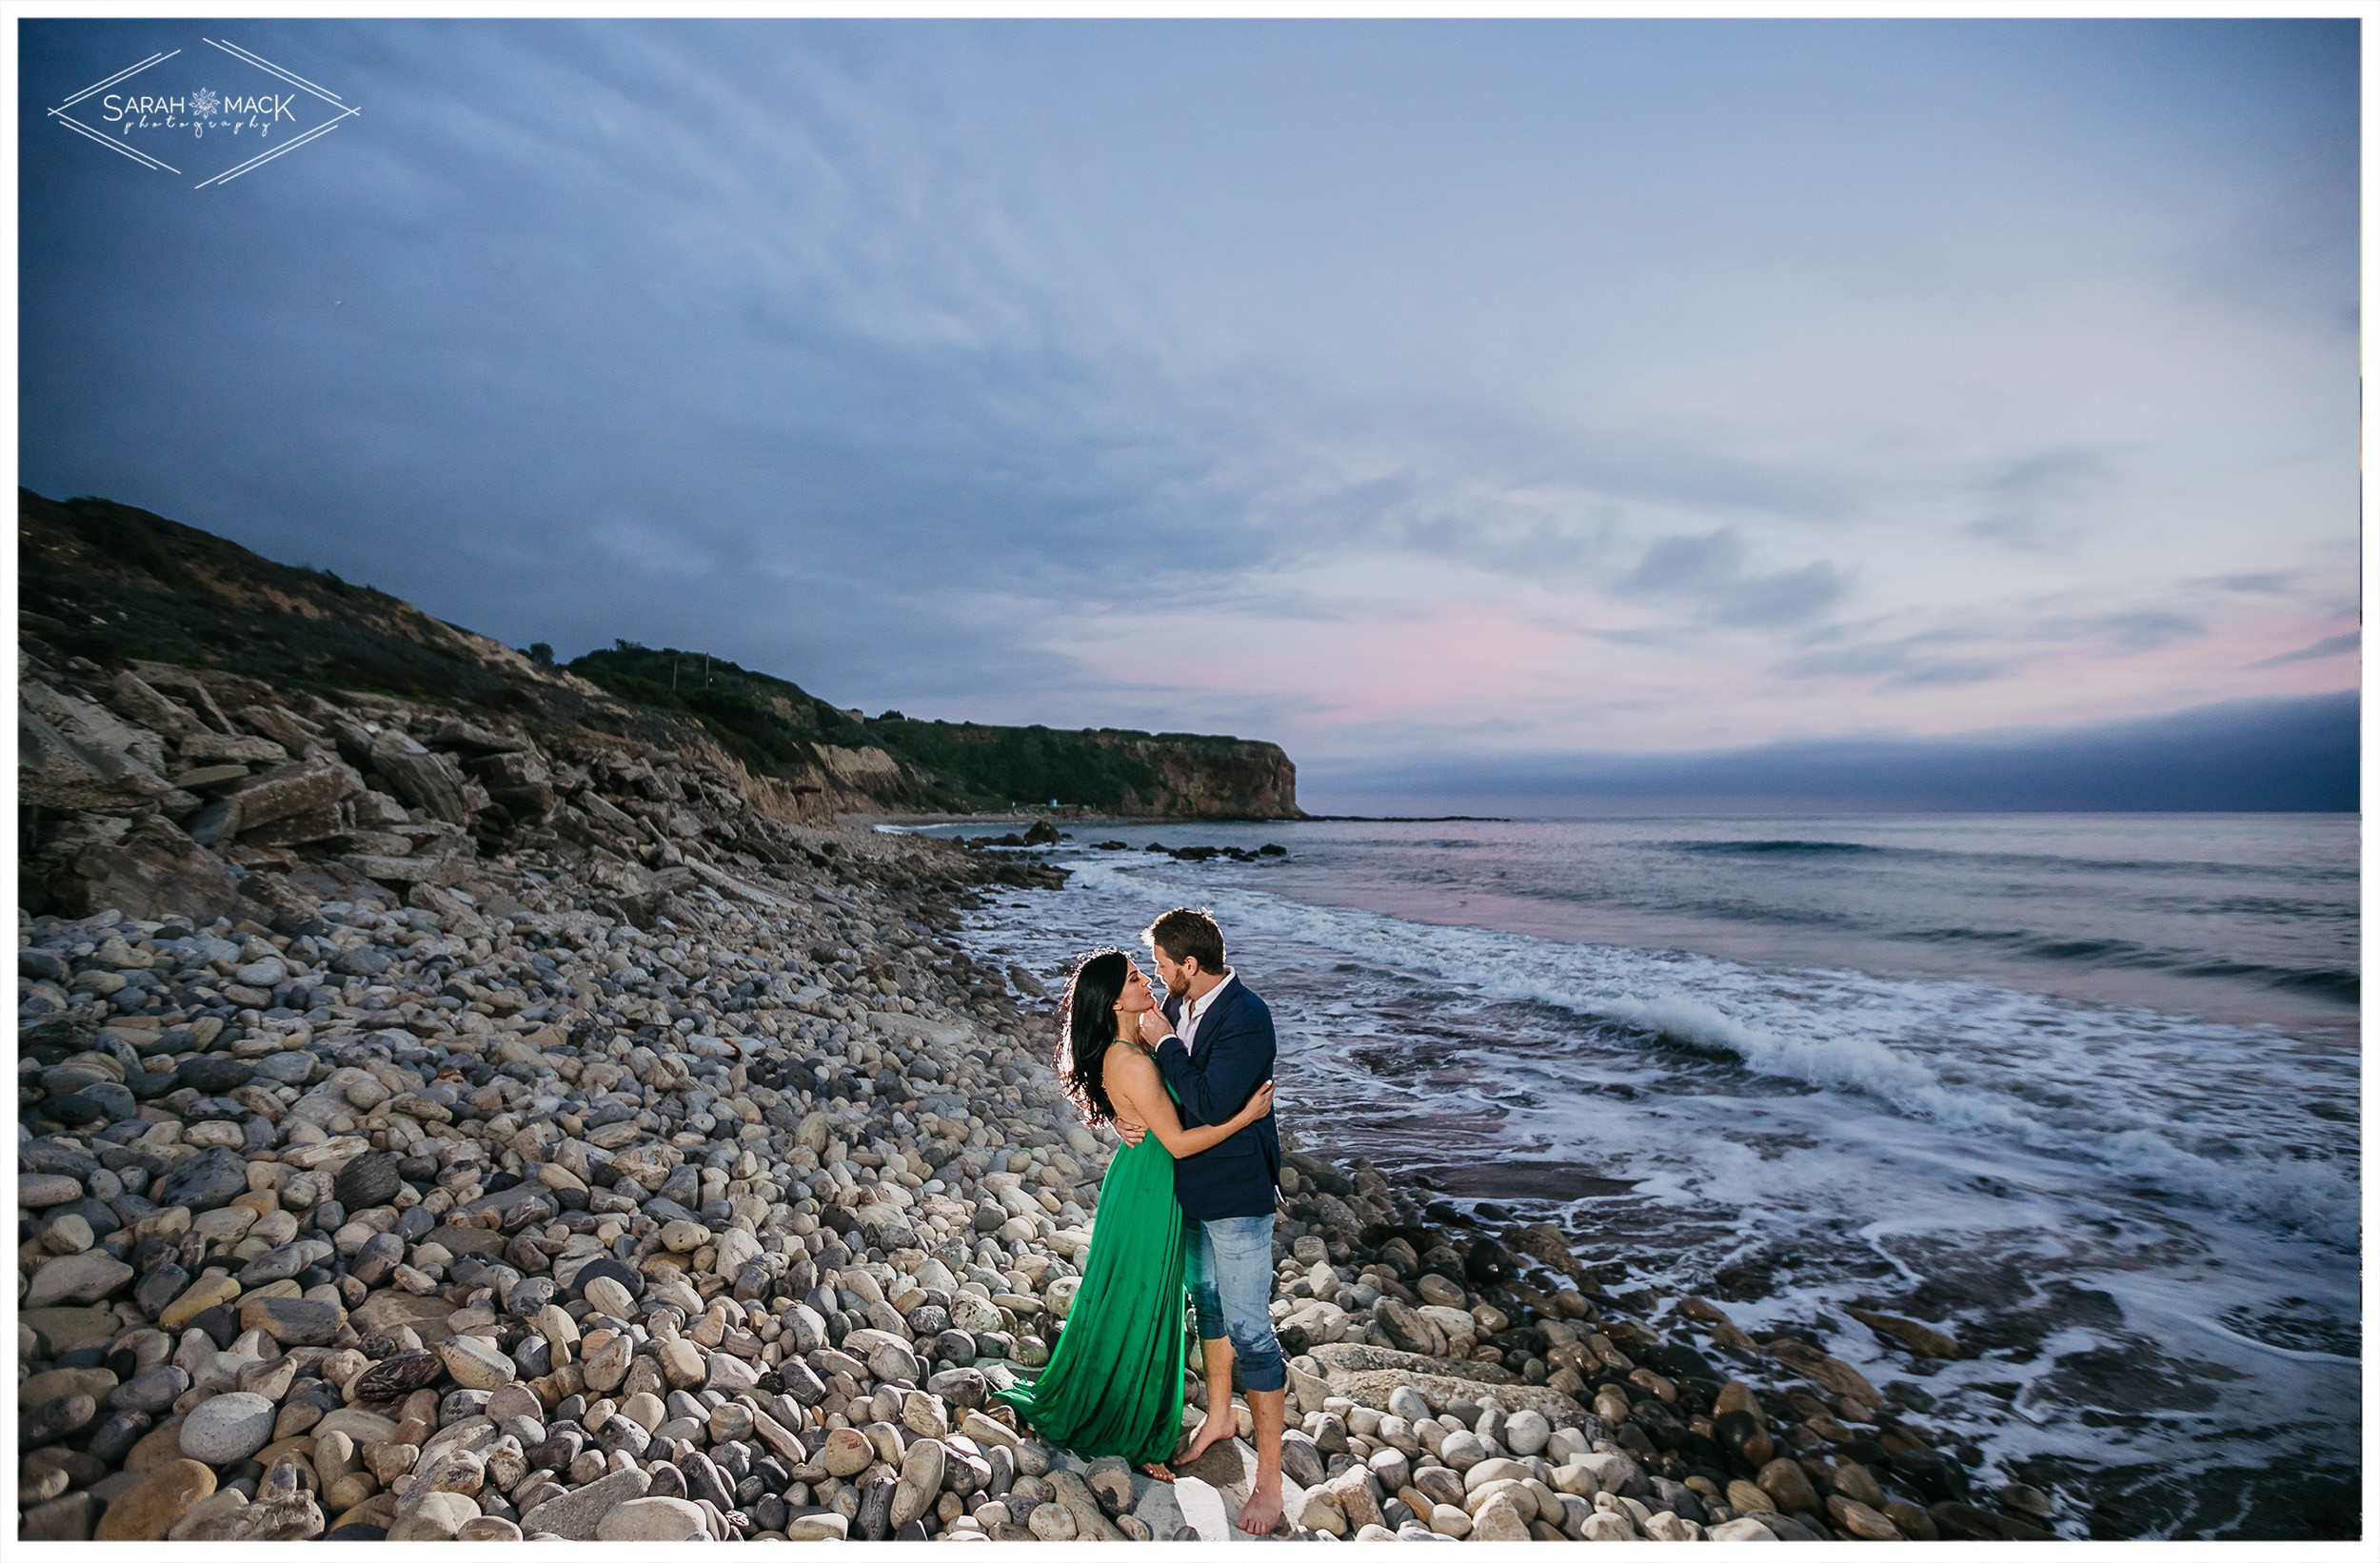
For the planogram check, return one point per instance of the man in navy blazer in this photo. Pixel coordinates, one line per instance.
(1214, 1044)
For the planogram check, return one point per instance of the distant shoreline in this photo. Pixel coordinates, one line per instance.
(1059, 817)
(1413, 819)
(1055, 815)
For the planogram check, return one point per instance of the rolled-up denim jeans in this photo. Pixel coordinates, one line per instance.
(1229, 1263)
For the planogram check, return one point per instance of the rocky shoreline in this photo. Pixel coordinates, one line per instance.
(432, 1128)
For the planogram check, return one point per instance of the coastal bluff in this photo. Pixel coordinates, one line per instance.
(114, 585)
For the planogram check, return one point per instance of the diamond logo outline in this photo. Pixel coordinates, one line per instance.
(344, 111)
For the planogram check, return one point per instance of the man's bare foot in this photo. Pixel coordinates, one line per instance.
(1159, 1471)
(1260, 1515)
(1213, 1431)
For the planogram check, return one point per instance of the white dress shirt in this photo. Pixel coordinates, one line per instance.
(1193, 1010)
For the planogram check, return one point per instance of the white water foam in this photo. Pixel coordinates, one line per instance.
(1850, 1139)
(2168, 1106)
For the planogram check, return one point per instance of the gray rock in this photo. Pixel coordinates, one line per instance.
(730, 1375)
(606, 1296)
(281, 1263)
(284, 1511)
(54, 1419)
(100, 1101)
(1300, 1461)
(429, 781)
(703, 1480)
(293, 1321)
(369, 1181)
(288, 1068)
(77, 1278)
(228, 1429)
(875, 1518)
(921, 1483)
(153, 870)
(152, 1390)
(1614, 1472)
(576, 1515)
(653, 1519)
(1526, 1432)
(208, 1180)
(1498, 1519)
(213, 1076)
(70, 1518)
(39, 1190)
(475, 1364)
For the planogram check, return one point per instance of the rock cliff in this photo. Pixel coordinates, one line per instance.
(112, 586)
(1126, 774)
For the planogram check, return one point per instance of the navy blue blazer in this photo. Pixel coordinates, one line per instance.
(1212, 1081)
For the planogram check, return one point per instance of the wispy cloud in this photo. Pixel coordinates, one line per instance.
(1910, 662)
(2334, 645)
(1212, 375)
(2260, 583)
(2039, 502)
(2135, 629)
(1709, 572)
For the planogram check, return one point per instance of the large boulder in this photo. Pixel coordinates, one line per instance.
(307, 786)
(135, 697)
(517, 780)
(144, 868)
(73, 754)
(429, 781)
(470, 738)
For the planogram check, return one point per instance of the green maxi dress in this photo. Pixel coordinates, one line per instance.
(1113, 1383)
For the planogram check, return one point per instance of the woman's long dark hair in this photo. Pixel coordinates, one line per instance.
(1086, 1025)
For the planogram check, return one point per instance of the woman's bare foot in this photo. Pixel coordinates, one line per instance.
(1157, 1470)
(1213, 1431)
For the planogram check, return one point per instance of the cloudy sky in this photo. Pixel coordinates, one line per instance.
(1482, 394)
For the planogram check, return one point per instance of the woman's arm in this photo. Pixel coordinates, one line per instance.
(1134, 1087)
(1240, 1056)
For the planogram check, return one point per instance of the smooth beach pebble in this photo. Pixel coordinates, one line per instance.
(653, 1519)
(152, 1505)
(228, 1429)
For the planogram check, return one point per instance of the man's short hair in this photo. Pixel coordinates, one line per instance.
(1186, 932)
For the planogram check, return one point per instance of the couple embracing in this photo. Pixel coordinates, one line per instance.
(1185, 1213)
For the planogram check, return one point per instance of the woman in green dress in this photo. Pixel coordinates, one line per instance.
(1113, 1383)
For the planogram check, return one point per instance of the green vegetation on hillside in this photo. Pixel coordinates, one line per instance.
(765, 722)
(112, 581)
(995, 766)
(772, 724)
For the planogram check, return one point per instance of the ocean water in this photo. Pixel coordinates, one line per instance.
(2081, 1091)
